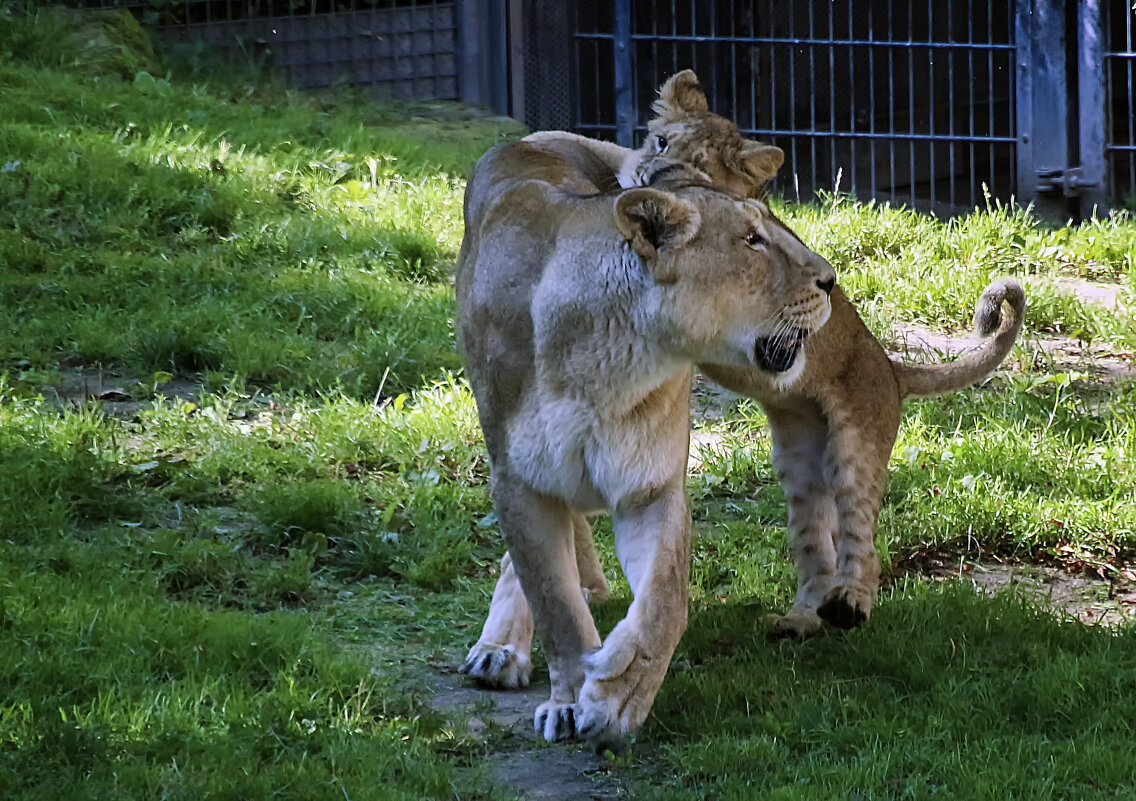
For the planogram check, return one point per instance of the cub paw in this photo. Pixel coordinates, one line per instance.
(845, 607)
(555, 722)
(797, 625)
(498, 666)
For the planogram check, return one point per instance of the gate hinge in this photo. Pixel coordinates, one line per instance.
(1068, 181)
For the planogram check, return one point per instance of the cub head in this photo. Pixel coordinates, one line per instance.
(728, 283)
(685, 130)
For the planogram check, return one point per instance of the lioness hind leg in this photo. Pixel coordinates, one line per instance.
(799, 454)
(539, 532)
(860, 450)
(592, 580)
(652, 539)
(502, 657)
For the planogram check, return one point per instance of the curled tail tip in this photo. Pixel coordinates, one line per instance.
(988, 314)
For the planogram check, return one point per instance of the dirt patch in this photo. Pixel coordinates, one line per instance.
(520, 762)
(1107, 295)
(120, 394)
(1092, 600)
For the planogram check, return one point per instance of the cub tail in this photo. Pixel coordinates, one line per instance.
(973, 366)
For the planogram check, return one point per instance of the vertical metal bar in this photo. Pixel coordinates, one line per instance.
(812, 88)
(872, 100)
(1010, 116)
(655, 49)
(734, 62)
(1023, 39)
(932, 173)
(598, 114)
(951, 105)
(671, 45)
(891, 100)
(1045, 29)
(1091, 99)
(1130, 108)
(992, 127)
(517, 59)
(770, 98)
(970, 96)
(624, 99)
(832, 94)
(852, 100)
(713, 61)
(910, 104)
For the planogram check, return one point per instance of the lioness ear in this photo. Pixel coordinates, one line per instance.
(681, 95)
(651, 221)
(762, 161)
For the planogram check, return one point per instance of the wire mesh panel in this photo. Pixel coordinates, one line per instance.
(404, 49)
(904, 100)
(1119, 29)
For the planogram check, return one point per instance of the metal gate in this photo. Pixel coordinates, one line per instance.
(1118, 55)
(932, 103)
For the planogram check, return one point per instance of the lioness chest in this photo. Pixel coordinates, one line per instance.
(593, 459)
(606, 415)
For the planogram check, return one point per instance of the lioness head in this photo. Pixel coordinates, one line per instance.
(685, 130)
(732, 285)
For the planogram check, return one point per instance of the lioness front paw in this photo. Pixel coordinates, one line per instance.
(498, 666)
(555, 722)
(846, 607)
(617, 695)
(794, 624)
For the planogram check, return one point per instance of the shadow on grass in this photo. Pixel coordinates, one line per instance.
(944, 693)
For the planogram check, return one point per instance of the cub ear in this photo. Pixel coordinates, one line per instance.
(681, 95)
(760, 160)
(651, 221)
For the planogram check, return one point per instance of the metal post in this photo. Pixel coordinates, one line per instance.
(1023, 39)
(624, 96)
(517, 29)
(1091, 117)
(1042, 110)
(483, 79)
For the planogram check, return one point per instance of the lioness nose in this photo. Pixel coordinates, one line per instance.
(826, 284)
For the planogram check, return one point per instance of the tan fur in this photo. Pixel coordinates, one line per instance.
(833, 429)
(580, 316)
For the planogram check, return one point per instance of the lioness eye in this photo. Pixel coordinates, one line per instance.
(660, 143)
(755, 239)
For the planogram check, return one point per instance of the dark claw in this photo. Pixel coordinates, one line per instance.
(486, 662)
(569, 719)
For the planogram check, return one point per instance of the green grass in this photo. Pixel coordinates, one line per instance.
(247, 594)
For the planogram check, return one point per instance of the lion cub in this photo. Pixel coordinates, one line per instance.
(833, 402)
(580, 316)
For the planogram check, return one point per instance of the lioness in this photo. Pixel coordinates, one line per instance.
(579, 318)
(833, 426)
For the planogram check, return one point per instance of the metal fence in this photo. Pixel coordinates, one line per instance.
(932, 103)
(904, 101)
(401, 49)
(1119, 54)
